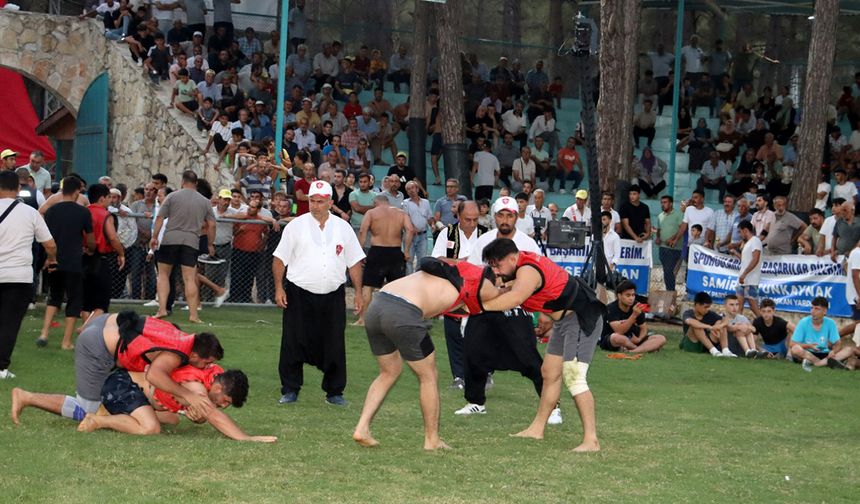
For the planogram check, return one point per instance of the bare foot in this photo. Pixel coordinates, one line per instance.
(67, 347)
(365, 439)
(438, 445)
(88, 424)
(18, 399)
(588, 446)
(195, 321)
(159, 315)
(529, 433)
(359, 322)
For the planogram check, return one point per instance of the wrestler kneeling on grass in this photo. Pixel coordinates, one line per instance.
(398, 329)
(136, 407)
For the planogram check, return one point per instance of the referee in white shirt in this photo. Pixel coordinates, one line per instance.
(315, 250)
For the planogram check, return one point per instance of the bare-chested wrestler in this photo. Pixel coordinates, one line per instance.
(398, 329)
(391, 234)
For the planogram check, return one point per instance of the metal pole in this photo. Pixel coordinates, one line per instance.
(282, 68)
(676, 92)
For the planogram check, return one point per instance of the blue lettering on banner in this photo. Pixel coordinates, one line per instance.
(792, 282)
(634, 262)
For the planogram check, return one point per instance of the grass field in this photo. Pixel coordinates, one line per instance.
(674, 428)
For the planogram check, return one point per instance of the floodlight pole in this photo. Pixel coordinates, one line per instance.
(282, 70)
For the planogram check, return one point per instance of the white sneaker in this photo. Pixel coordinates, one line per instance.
(562, 191)
(471, 409)
(805, 365)
(185, 308)
(715, 352)
(728, 353)
(555, 417)
(220, 299)
(31, 306)
(154, 302)
(5, 374)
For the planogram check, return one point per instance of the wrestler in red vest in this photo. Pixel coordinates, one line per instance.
(205, 376)
(557, 289)
(141, 336)
(465, 277)
(100, 214)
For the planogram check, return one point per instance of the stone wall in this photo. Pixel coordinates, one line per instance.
(64, 55)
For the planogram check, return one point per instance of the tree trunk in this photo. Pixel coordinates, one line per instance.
(819, 71)
(612, 86)
(556, 36)
(417, 93)
(631, 77)
(447, 17)
(511, 15)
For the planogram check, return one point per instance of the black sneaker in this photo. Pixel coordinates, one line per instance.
(835, 364)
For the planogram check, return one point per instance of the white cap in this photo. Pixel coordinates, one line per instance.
(506, 203)
(320, 188)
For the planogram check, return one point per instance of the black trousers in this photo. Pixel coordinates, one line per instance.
(496, 341)
(243, 267)
(313, 333)
(14, 299)
(454, 342)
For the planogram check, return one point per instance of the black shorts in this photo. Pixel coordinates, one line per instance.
(384, 264)
(394, 324)
(97, 283)
(436, 144)
(203, 246)
(177, 255)
(605, 344)
(66, 285)
(120, 395)
(191, 105)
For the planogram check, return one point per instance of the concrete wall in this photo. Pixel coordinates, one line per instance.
(64, 55)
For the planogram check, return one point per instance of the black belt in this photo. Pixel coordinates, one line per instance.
(422, 232)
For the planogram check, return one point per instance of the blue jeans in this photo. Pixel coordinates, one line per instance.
(669, 257)
(417, 251)
(574, 176)
(119, 33)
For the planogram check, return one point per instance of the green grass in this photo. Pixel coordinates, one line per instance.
(674, 428)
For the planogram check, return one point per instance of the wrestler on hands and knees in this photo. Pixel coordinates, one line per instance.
(128, 341)
(137, 407)
(398, 329)
(542, 286)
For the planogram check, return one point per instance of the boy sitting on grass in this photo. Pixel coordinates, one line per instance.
(703, 328)
(625, 327)
(740, 327)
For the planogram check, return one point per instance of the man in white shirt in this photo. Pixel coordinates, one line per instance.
(325, 66)
(305, 138)
(514, 122)
(713, 175)
(607, 202)
(421, 214)
(693, 55)
(579, 211)
(318, 248)
(698, 213)
(399, 68)
(822, 192)
(844, 188)
(539, 211)
(762, 219)
(501, 340)
(20, 225)
(825, 243)
(611, 240)
(524, 220)
(750, 271)
(485, 172)
(544, 126)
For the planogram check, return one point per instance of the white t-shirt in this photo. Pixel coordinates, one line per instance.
(488, 166)
(611, 247)
(827, 230)
(158, 13)
(616, 218)
(853, 264)
(751, 246)
(543, 213)
(317, 259)
(704, 217)
(17, 232)
(523, 241)
(526, 225)
(572, 213)
(692, 59)
(846, 191)
(821, 204)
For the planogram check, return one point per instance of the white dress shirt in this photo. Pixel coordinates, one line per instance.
(306, 140)
(572, 213)
(317, 259)
(440, 248)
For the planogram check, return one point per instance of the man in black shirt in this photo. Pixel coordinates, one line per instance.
(774, 331)
(625, 328)
(403, 171)
(70, 224)
(635, 218)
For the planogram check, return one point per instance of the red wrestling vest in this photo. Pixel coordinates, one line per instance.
(557, 289)
(187, 374)
(465, 277)
(156, 336)
(99, 214)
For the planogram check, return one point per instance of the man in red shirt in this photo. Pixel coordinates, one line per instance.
(137, 407)
(542, 286)
(568, 159)
(249, 242)
(302, 187)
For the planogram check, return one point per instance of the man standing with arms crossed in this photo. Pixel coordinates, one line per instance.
(421, 215)
(318, 248)
(390, 229)
(750, 272)
(186, 212)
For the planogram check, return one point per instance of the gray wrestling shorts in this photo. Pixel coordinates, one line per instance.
(570, 342)
(93, 363)
(394, 324)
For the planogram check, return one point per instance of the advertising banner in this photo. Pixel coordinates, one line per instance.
(634, 261)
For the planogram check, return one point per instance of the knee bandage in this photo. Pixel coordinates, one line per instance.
(575, 373)
(71, 409)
